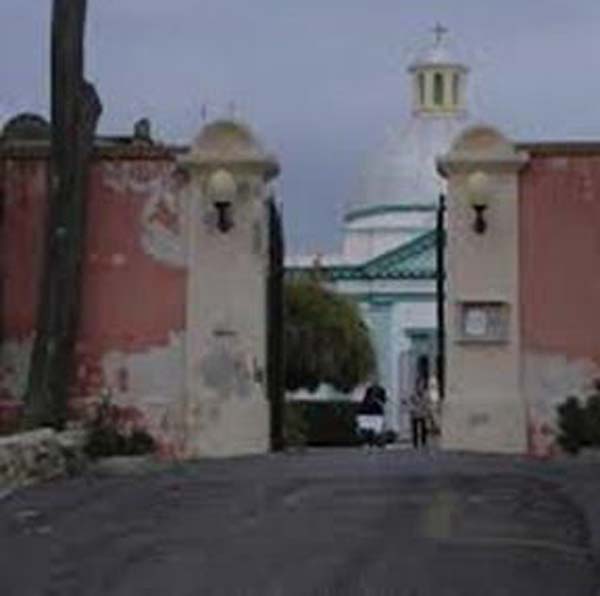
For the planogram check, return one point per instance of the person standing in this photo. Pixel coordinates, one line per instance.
(419, 405)
(371, 413)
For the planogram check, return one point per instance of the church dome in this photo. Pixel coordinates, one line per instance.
(402, 172)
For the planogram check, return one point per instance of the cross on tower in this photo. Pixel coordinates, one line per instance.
(439, 31)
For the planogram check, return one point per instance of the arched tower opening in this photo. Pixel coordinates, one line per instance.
(440, 79)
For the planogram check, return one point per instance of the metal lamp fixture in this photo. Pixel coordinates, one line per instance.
(222, 189)
(478, 194)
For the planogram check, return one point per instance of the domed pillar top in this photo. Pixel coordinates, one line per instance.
(229, 145)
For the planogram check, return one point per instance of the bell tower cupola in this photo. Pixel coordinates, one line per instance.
(439, 79)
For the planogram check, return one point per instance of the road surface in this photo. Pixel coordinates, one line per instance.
(326, 522)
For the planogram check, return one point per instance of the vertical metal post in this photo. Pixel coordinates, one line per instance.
(441, 295)
(275, 331)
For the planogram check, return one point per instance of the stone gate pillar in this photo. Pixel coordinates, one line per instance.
(484, 409)
(227, 236)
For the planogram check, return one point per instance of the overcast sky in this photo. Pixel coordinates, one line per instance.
(320, 80)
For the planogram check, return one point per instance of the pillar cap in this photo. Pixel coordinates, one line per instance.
(229, 144)
(481, 147)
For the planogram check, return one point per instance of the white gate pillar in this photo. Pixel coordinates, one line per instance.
(484, 409)
(228, 256)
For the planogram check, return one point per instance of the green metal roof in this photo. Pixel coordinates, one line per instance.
(361, 212)
(414, 260)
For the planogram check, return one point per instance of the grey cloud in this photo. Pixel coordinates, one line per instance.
(320, 81)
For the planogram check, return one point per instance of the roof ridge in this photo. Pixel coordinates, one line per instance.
(414, 247)
(387, 265)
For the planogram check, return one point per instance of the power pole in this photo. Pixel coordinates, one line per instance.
(75, 111)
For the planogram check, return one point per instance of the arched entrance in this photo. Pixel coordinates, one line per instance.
(417, 364)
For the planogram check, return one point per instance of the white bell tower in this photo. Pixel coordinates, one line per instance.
(439, 80)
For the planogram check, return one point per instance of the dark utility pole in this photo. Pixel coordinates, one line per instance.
(75, 110)
(441, 294)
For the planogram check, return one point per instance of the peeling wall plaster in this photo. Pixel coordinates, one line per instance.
(14, 367)
(228, 371)
(152, 381)
(133, 301)
(160, 185)
(132, 337)
(559, 214)
(549, 379)
(155, 374)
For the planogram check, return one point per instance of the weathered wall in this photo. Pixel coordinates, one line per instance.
(559, 218)
(21, 258)
(226, 321)
(133, 302)
(173, 307)
(133, 306)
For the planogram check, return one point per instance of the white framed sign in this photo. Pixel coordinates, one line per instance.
(476, 322)
(484, 321)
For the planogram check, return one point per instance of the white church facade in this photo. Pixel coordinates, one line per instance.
(388, 262)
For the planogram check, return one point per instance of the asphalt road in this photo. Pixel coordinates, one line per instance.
(327, 522)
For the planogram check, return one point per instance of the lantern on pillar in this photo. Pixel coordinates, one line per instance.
(222, 190)
(478, 195)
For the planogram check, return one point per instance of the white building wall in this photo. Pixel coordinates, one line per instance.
(372, 235)
(407, 317)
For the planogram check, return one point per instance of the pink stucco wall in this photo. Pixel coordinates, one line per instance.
(559, 279)
(560, 254)
(134, 283)
(132, 300)
(22, 243)
(23, 184)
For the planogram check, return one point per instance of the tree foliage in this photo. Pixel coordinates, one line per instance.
(326, 339)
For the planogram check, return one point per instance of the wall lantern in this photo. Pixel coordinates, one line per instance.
(478, 195)
(224, 216)
(222, 190)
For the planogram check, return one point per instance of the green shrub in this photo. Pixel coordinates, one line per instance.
(572, 424)
(592, 419)
(579, 425)
(327, 423)
(326, 339)
(111, 433)
(110, 442)
(295, 426)
(104, 442)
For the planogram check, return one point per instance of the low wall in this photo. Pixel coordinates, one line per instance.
(39, 455)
